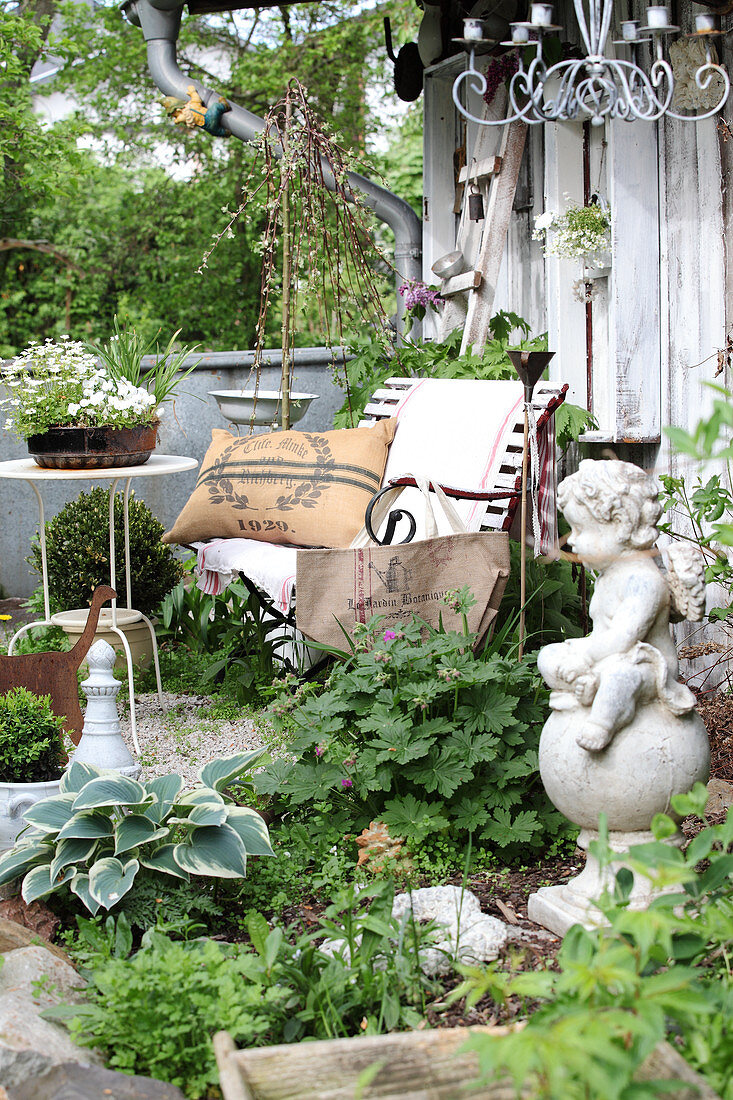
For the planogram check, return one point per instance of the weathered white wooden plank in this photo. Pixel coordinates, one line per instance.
(415, 1065)
(480, 169)
(693, 267)
(380, 408)
(469, 280)
(521, 282)
(439, 143)
(634, 349)
(565, 316)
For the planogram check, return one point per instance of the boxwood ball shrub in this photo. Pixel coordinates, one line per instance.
(30, 738)
(77, 543)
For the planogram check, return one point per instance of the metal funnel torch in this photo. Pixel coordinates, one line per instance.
(529, 366)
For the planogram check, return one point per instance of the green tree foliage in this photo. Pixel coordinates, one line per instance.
(138, 238)
(36, 162)
(136, 209)
(402, 162)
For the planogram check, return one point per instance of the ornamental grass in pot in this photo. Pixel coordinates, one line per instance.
(31, 757)
(83, 407)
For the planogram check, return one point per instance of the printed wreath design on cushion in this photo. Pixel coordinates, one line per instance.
(222, 490)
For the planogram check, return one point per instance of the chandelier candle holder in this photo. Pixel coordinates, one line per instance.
(594, 87)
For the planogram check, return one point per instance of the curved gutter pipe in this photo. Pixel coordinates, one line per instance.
(160, 21)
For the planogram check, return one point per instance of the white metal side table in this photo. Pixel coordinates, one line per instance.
(25, 469)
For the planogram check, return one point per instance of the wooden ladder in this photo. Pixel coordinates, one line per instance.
(494, 167)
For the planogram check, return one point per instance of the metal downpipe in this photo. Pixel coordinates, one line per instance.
(160, 21)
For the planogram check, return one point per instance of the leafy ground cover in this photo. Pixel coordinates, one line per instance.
(244, 951)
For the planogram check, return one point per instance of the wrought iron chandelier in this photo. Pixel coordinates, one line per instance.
(595, 87)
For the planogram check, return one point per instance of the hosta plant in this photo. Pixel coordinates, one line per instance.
(103, 829)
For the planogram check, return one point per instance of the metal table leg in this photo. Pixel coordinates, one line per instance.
(44, 574)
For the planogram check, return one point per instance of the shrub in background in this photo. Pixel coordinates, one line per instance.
(30, 738)
(77, 543)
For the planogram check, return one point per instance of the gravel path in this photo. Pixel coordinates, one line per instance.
(186, 736)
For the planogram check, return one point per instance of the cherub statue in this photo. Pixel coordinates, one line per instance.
(629, 658)
(622, 738)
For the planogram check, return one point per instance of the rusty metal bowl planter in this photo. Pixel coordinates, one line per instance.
(101, 447)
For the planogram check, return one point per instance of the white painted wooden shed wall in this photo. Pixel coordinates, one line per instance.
(662, 308)
(667, 303)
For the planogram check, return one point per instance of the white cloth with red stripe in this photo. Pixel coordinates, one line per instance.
(270, 567)
(454, 432)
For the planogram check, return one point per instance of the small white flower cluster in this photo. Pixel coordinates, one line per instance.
(580, 231)
(59, 385)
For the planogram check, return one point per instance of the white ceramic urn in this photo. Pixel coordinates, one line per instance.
(15, 799)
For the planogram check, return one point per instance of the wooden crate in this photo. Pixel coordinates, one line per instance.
(413, 1065)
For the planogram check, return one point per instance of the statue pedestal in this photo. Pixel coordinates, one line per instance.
(559, 907)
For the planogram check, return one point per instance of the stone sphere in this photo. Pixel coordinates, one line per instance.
(655, 757)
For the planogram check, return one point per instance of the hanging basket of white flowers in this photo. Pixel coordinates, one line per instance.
(581, 233)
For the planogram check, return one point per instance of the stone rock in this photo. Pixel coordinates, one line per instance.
(37, 916)
(27, 965)
(29, 1045)
(71, 1081)
(480, 939)
(721, 796)
(14, 935)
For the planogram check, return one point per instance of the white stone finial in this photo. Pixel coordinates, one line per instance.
(101, 655)
(101, 741)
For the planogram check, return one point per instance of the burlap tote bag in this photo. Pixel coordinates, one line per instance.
(337, 589)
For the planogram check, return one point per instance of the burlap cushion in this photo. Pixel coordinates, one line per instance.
(286, 487)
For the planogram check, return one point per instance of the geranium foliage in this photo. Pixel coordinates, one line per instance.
(416, 730)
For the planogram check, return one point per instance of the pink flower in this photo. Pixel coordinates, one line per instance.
(320, 750)
(418, 294)
(389, 635)
(347, 783)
